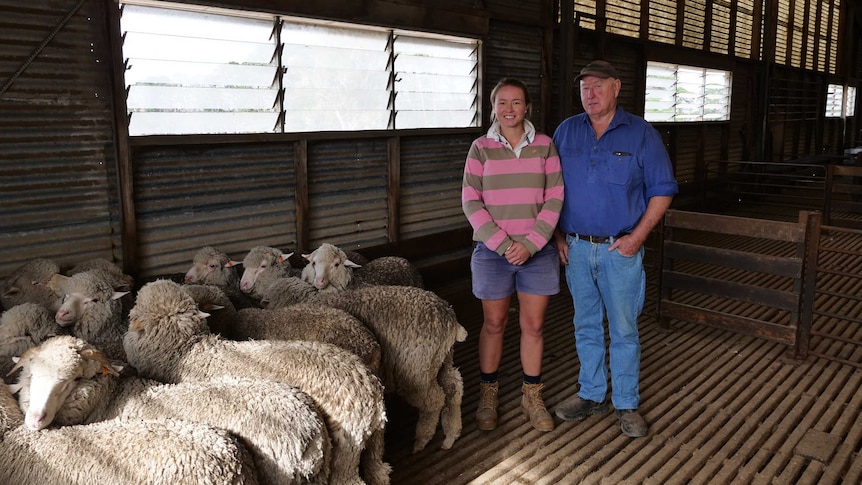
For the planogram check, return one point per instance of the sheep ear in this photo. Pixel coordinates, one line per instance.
(203, 314)
(119, 294)
(307, 256)
(231, 263)
(56, 283)
(351, 264)
(209, 307)
(264, 302)
(12, 290)
(284, 257)
(95, 355)
(136, 325)
(14, 388)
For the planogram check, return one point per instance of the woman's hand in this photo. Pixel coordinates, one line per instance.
(517, 254)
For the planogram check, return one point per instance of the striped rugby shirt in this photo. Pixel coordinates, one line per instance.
(512, 194)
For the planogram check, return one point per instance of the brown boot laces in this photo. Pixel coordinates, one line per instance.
(489, 397)
(534, 398)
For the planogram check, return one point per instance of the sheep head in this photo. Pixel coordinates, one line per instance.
(260, 259)
(49, 374)
(82, 291)
(212, 267)
(328, 268)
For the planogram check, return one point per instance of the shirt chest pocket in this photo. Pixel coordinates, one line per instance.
(621, 167)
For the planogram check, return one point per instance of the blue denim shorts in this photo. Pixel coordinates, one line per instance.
(495, 278)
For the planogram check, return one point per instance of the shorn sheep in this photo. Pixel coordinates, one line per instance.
(330, 269)
(416, 330)
(211, 266)
(22, 327)
(29, 283)
(168, 340)
(62, 381)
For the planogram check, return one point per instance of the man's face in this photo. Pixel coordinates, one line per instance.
(599, 95)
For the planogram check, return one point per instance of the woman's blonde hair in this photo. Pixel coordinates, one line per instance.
(510, 81)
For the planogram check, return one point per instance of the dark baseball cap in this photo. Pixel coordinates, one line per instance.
(602, 69)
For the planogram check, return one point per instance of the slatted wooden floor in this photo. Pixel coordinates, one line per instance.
(722, 408)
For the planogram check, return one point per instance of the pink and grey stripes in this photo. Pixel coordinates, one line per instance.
(510, 199)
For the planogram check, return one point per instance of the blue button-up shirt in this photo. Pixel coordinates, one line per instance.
(609, 181)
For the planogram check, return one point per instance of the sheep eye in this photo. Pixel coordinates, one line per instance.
(213, 266)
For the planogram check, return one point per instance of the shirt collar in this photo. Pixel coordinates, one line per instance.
(621, 117)
(529, 134)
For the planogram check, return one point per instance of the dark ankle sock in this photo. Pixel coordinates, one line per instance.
(488, 378)
(532, 379)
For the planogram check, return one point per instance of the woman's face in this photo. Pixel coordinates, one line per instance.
(510, 107)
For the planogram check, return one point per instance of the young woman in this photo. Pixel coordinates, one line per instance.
(512, 195)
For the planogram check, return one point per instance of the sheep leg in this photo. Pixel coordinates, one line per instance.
(429, 402)
(374, 470)
(345, 458)
(453, 386)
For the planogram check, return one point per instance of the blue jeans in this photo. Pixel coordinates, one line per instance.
(606, 282)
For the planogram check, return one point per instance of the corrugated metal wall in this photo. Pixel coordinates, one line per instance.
(57, 164)
(233, 197)
(431, 173)
(514, 50)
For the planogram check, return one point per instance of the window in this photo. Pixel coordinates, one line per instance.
(677, 93)
(213, 71)
(837, 104)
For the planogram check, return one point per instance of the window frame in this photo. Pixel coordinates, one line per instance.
(471, 98)
(703, 94)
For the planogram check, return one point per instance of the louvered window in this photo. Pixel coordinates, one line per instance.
(662, 21)
(210, 70)
(695, 20)
(719, 39)
(624, 17)
(840, 103)
(745, 29)
(585, 10)
(677, 93)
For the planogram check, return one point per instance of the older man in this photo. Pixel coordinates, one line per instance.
(618, 184)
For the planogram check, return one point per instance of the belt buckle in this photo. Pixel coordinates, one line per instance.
(597, 241)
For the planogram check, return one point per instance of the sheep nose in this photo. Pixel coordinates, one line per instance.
(189, 278)
(35, 421)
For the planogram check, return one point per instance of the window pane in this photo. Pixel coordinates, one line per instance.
(435, 83)
(683, 93)
(834, 100)
(191, 72)
(223, 72)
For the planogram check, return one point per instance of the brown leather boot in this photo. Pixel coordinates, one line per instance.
(534, 407)
(486, 415)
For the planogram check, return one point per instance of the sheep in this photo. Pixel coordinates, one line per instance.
(330, 269)
(213, 267)
(306, 321)
(29, 284)
(416, 330)
(168, 340)
(61, 382)
(125, 452)
(262, 259)
(288, 291)
(212, 300)
(21, 327)
(119, 280)
(300, 322)
(91, 308)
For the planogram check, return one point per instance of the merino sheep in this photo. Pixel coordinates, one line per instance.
(288, 291)
(417, 331)
(125, 452)
(61, 382)
(212, 300)
(264, 260)
(92, 309)
(329, 269)
(21, 327)
(168, 340)
(307, 321)
(29, 284)
(213, 267)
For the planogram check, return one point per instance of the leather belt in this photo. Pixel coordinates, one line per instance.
(596, 239)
